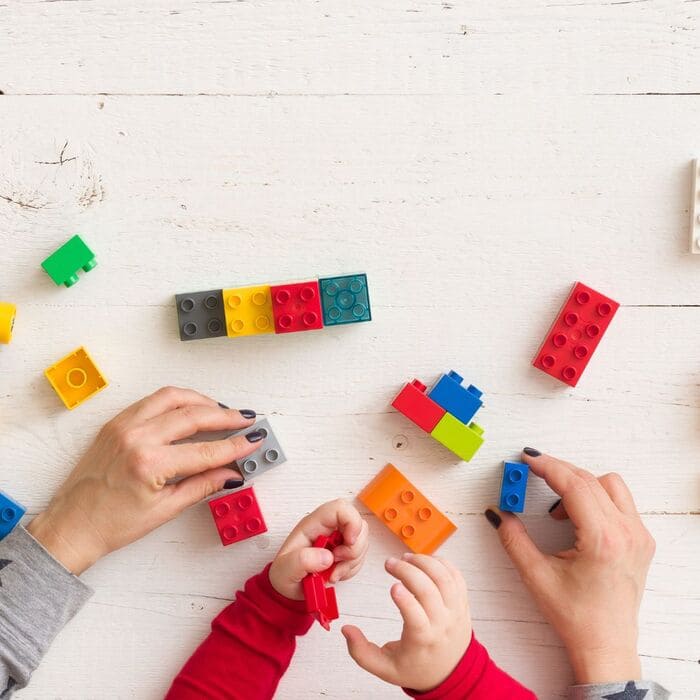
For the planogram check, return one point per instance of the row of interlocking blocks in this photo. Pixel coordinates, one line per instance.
(320, 599)
(406, 511)
(446, 412)
(11, 513)
(281, 308)
(575, 334)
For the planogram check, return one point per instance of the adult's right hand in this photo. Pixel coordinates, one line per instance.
(123, 488)
(590, 593)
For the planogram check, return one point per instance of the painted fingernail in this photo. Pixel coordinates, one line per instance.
(247, 413)
(493, 518)
(531, 452)
(255, 436)
(233, 483)
(223, 405)
(554, 505)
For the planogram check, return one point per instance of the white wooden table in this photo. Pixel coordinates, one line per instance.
(474, 158)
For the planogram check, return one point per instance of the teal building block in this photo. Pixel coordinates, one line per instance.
(11, 513)
(463, 440)
(345, 299)
(513, 486)
(62, 266)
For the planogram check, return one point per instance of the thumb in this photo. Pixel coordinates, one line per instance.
(368, 655)
(300, 562)
(523, 552)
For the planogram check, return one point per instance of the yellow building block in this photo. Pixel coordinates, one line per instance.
(75, 378)
(7, 321)
(406, 511)
(248, 311)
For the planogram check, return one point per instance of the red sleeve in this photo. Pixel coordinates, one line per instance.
(249, 648)
(476, 677)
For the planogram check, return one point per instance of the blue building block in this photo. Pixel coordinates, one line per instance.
(11, 513)
(513, 486)
(449, 393)
(345, 300)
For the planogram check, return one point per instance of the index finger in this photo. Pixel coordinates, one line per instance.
(335, 515)
(167, 398)
(581, 493)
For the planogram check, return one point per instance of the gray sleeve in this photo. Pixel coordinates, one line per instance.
(624, 690)
(38, 597)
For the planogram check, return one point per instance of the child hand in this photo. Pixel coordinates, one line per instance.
(590, 593)
(297, 557)
(432, 600)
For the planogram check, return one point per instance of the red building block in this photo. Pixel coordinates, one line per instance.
(296, 307)
(413, 402)
(237, 516)
(321, 601)
(575, 334)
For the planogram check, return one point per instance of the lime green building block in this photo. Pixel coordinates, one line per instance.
(62, 266)
(463, 440)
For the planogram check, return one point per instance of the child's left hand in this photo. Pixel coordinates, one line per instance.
(297, 557)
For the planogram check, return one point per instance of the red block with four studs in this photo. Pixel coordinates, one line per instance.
(296, 307)
(237, 516)
(575, 334)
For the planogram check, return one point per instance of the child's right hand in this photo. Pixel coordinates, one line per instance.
(432, 600)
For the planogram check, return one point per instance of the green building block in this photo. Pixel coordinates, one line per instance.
(463, 440)
(63, 265)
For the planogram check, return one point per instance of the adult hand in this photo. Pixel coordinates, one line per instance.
(298, 557)
(122, 487)
(432, 600)
(590, 593)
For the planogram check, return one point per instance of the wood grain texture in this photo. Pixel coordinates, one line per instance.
(474, 159)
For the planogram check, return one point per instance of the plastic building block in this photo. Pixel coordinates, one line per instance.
(513, 486)
(11, 513)
(7, 321)
(62, 266)
(201, 314)
(237, 516)
(406, 511)
(75, 378)
(268, 455)
(320, 600)
(345, 300)
(413, 402)
(449, 393)
(695, 208)
(296, 307)
(463, 440)
(248, 311)
(575, 334)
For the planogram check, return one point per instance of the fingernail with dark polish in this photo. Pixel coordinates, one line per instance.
(493, 518)
(255, 436)
(247, 413)
(223, 405)
(554, 505)
(531, 452)
(233, 483)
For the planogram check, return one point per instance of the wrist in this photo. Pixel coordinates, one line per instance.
(65, 549)
(605, 666)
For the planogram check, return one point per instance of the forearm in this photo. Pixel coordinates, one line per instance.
(476, 677)
(38, 597)
(250, 646)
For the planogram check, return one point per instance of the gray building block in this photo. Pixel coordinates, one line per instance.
(269, 455)
(201, 315)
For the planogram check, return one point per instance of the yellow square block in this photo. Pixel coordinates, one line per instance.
(248, 311)
(75, 378)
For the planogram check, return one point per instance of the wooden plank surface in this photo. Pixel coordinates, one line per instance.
(474, 159)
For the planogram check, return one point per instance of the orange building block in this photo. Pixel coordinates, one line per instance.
(406, 511)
